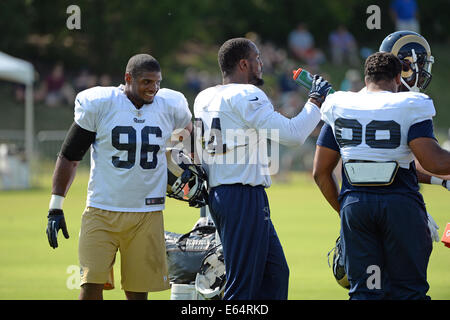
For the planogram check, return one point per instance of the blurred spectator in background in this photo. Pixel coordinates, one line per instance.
(405, 15)
(343, 47)
(85, 80)
(272, 56)
(105, 80)
(285, 81)
(352, 82)
(365, 52)
(55, 90)
(192, 80)
(301, 45)
(195, 81)
(288, 106)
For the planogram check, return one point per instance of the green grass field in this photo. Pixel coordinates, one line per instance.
(305, 223)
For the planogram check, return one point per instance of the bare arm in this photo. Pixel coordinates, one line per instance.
(63, 175)
(424, 176)
(75, 145)
(325, 160)
(62, 179)
(431, 156)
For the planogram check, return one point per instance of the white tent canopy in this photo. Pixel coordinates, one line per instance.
(20, 71)
(16, 70)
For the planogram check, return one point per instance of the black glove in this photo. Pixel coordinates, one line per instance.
(56, 221)
(319, 89)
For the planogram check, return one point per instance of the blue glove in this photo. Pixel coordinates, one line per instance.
(56, 221)
(319, 89)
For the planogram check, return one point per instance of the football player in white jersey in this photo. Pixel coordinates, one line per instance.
(414, 53)
(233, 121)
(384, 225)
(127, 127)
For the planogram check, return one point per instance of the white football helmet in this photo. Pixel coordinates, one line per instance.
(186, 181)
(338, 265)
(211, 279)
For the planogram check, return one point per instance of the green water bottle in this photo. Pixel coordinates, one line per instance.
(304, 78)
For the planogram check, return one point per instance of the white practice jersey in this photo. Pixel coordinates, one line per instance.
(366, 121)
(236, 120)
(128, 163)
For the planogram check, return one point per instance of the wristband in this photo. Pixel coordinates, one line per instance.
(438, 181)
(56, 202)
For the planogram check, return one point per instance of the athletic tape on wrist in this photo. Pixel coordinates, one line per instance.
(56, 202)
(436, 180)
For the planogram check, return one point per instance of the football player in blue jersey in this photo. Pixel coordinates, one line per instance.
(384, 226)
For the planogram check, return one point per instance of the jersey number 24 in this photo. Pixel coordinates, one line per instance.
(214, 143)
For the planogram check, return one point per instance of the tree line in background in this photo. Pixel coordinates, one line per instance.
(112, 30)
